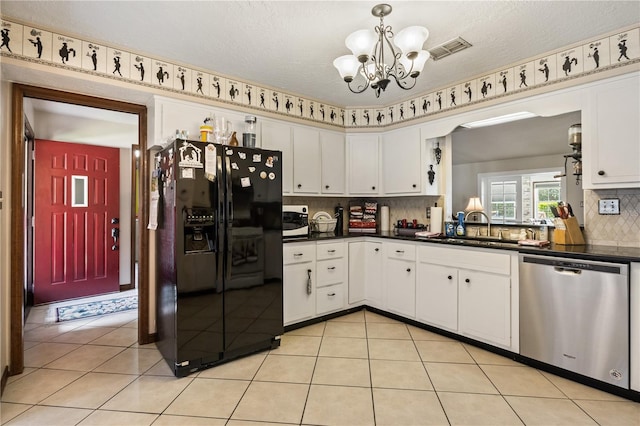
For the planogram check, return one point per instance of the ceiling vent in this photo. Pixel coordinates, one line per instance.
(449, 48)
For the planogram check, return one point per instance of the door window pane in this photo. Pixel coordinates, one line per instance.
(79, 191)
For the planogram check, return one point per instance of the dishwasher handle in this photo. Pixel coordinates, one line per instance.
(565, 270)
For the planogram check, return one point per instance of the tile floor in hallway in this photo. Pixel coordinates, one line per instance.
(359, 369)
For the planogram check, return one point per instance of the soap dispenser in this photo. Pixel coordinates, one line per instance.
(460, 227)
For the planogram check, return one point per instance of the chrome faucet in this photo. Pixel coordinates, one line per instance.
(483, 214)
(533, 233)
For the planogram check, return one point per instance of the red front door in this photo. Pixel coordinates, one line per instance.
(77, 192)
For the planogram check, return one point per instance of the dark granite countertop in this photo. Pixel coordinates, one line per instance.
(586, 252)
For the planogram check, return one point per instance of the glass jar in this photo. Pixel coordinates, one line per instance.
(575, 135)
(249, 135)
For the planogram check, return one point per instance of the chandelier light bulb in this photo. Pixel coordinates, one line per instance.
(347, 66)
(361, 44)
(411, 39)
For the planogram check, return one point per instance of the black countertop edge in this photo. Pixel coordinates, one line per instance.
(586, 252)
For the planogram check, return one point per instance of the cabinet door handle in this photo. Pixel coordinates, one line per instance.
(299, 185)
(467, 280)
(414, 185)
(326, 187)
(331, 251)
(309, 286)
(450, 277)
(331, 294)
(377, 249)
(298, 254)
(601, 173)
(399, 251)
(331, 268)
(408, 269)
(373, 188)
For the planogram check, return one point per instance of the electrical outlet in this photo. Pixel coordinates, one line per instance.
(609, 206)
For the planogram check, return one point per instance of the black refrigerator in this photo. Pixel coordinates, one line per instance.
(219, 253)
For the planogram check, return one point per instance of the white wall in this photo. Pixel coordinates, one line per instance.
(125, 216)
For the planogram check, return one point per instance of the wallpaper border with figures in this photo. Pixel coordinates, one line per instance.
(53, 48)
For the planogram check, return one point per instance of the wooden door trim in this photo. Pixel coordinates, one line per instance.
(20, 91)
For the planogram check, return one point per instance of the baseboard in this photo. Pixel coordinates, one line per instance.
(125, 287)
(3, 381)
(150, 338)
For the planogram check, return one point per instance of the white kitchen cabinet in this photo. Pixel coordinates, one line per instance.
(475, 301)
(331, 276)
(400, 285)
(277, 136)
(363, 164)
(484, 306)
(374, 265)
(333, 165)
(611, 152)
(357, 268)
(299, 301)
(306, 160)
(401, 161)
(365, 273)
(437, 295)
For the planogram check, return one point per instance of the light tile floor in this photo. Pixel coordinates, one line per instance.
(359, 369)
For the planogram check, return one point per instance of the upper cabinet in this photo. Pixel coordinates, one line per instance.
(612, 149)
(277, 136)
(306, 160)
(363, 164)
(333, 162)
(401, 159)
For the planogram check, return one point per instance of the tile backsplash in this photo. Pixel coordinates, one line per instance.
(613, 230)
(399, 207)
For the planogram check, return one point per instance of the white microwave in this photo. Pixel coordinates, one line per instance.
(295, 221)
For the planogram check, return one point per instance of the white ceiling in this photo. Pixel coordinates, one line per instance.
(290, 45)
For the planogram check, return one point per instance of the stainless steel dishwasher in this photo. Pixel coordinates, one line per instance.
(574, 314)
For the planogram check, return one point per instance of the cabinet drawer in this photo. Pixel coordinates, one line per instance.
(332, 271)
(400, 251)
(330, 299)
(330, 251)
(298, 253)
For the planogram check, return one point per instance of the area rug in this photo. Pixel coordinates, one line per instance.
(84, 310)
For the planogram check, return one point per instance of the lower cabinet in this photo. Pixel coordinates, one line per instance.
(400, 279)
(314, 280)
(299, 282)
(465, 291)
(484, 306)
(437, 296)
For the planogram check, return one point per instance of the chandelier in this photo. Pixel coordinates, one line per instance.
(371, 66)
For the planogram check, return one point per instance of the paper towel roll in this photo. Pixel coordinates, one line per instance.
(384, 219)
(436, 219)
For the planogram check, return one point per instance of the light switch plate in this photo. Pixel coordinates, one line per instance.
(609, 206)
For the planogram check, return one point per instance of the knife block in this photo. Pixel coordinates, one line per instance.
(571, 235)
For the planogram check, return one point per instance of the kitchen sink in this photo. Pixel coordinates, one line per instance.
(483, 242)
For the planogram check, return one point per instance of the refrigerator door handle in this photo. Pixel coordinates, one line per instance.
(228, 215)
(220, 224)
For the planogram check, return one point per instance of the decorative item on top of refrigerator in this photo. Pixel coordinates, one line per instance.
(249, 135)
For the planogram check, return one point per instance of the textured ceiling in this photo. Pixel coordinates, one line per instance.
(290, 45)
